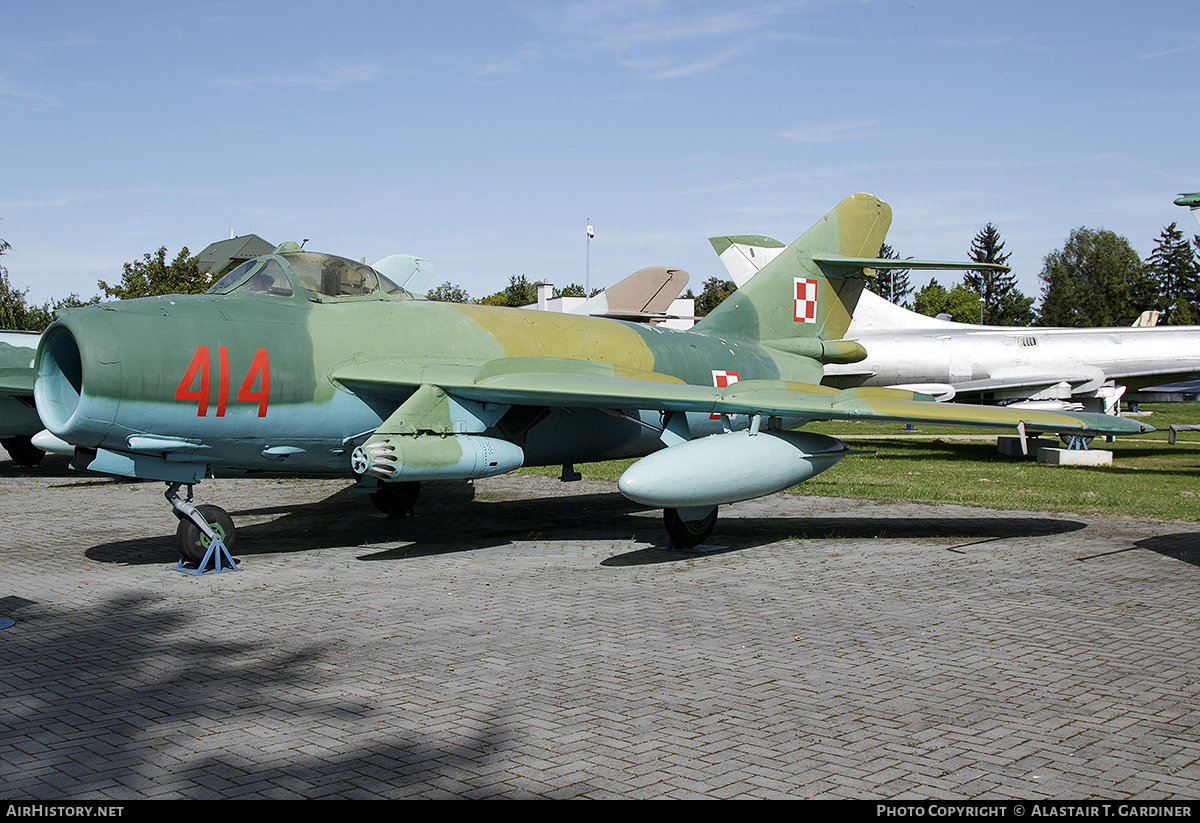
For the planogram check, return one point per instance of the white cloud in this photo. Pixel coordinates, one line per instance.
(830, 132)
(661, 40)
(323, 77)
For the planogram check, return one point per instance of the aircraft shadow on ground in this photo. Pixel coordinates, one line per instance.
(52, 465)
(344, 519)
(1184, 546)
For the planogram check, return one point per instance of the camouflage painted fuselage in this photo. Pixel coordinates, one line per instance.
(259, 381)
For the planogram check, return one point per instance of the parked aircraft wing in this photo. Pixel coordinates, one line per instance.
(1094, 374)
(563, 383)
(16, 385)
(18, 418)
(1180, 369)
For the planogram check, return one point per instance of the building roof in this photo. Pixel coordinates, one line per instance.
(224, 255)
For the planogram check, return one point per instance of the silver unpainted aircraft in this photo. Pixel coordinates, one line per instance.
(1053, 368)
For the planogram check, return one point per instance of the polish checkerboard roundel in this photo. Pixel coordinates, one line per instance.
(805, 300)
(723, 379)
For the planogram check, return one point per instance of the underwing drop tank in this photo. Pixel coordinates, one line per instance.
(729, 467)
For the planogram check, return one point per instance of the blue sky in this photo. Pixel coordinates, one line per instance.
(484, 135)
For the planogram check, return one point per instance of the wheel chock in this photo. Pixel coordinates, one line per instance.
(217, 557)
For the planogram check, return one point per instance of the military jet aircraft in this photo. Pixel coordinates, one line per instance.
(1053, 368)
(1192, 201)
(299, 361)
(18, 418)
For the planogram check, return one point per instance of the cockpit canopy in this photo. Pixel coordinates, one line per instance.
(317, 276)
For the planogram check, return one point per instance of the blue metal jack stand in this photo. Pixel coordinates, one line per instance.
(1077, 443)
(217, 555)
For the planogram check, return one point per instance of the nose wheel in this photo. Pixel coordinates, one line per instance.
(205, 534)
(194, 544)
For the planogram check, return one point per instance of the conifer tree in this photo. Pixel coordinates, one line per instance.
(1172, 264)
(1003, 304)
(892, 284)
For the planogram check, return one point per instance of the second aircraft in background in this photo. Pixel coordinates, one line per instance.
(1056, 368)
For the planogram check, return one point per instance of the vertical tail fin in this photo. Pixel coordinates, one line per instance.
(744, 255)
(808, 291)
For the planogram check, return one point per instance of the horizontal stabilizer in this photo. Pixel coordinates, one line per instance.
(852, 264)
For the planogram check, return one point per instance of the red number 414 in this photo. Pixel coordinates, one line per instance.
(259, 372)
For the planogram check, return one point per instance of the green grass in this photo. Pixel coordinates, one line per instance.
(1148, 477)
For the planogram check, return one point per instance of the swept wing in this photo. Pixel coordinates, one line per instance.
(562, 383)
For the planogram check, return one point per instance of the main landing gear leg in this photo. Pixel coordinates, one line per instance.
(204, 536)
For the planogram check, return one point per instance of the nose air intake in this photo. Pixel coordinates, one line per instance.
(59, 385)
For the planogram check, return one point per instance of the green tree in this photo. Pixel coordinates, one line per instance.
(38, 317)
(892, 284)
(153, 275)
(960, 303)
(519, 292)
(571, 290)
(17, 314)
(715, 290)
(13, 306)
(1095, 279)
(1181, 314)
(1015, 309)
(1172, 264)
(448, 293)
(1003, 304)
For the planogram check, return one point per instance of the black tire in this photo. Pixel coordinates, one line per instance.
(689, 533)
(22, 451)
(397, 499)
(193, 543)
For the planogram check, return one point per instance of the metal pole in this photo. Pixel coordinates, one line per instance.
(587, 272)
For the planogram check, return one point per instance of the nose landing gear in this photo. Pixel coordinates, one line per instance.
(204, 536)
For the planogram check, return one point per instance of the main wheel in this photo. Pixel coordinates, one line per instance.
(689, 533)
(193, 543)
(22, 451)
(397, 499)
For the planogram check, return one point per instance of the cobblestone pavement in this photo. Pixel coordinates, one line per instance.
(539, 642)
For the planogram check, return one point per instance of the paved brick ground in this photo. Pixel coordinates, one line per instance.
(537, 642)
